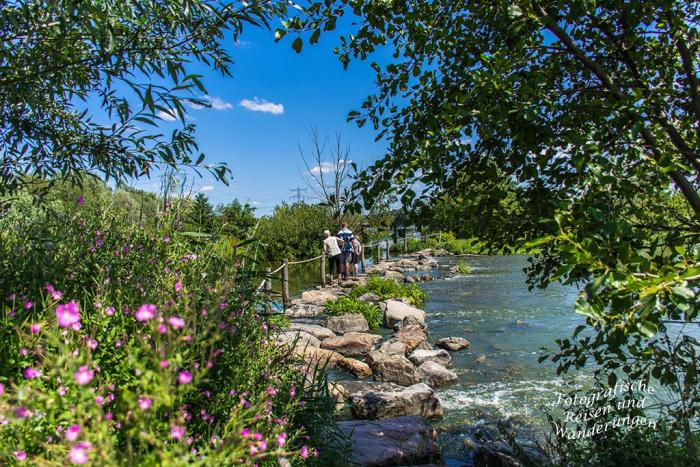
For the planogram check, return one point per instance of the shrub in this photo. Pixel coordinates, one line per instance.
(388, 288)
(131, 344)
(462, 267)
(350, 305)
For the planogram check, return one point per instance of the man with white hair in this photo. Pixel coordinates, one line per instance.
(332, 250)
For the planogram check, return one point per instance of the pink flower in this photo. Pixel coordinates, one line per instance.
(304, 452)
(19, 455)
(80, 200)
(99, 400)
(79, 453)
(162, 328)
(109, 311)
(146, 312)
(31, 373)
(145, 403)
(282, 439)
(185, 377)
(253, 451)
(92, 343)
(176, 322)
(2, 389)
(35, 328)
(245, 432)
(28, 305)
(164, 364)
(177, 431)
(21, 412)
(84, 375)
(68, 315)
(72, 432)
(178, 286)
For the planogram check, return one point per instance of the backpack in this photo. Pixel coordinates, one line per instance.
(347, 237)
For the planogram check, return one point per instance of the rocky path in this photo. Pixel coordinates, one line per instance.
(389, 386)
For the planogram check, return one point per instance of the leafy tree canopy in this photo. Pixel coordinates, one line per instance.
(83, 84)
(592, 110)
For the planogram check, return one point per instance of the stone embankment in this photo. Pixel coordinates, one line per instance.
(390, 383)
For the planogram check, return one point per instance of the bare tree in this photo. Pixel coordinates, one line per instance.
(330, 173)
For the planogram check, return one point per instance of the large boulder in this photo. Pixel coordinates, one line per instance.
(304, 310)
(396, 311)
(395, 275)
(413, 336)
(319, 332)
(390, 347)
(407, 440)
(355, 367)
(314, 356)
(434, 374)
(296, 338)
(318, 297)
(395, 369)
(347, 323)
(353, 344)
(453, 343)
(420, 356)
(342, 390)
(417, 399)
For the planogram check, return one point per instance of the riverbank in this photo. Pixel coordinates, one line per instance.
(399, 371)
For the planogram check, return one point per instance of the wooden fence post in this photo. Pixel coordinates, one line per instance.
(323, 269)
(405, 242)
(387, 249)
(362, 259)
(285, 283)
(379, 252)
(267, 288)
(440, 238)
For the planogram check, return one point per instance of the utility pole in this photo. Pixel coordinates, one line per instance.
(298, 197)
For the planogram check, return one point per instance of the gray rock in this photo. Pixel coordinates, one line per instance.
(395, 275)
(390, 347)
(353, 344)
(453, 343)
(347, 323)
(417, 399)
(420, 356)
(407, 440)
(318, 297)
(369, 297)
(297, 338)
(304, 310)
(396, 311)
(433, 374)
(409, 279)
(395, 369)
(319, 332)
(408, 320)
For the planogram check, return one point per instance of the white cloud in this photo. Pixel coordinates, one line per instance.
(326, 167)
(243, 43)
(206, 188)
(168, 116)
(215, 103)
(261, 105)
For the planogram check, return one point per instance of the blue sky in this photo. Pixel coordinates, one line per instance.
(262, 113)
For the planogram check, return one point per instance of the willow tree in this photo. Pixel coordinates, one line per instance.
(592, 105)
(83, 84)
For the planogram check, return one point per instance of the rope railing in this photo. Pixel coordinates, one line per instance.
(266, 284)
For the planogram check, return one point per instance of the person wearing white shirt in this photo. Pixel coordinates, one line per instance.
(332, 250)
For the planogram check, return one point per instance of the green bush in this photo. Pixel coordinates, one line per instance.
(463, 268)
(388, 288)
(131, 344)
(351, 305)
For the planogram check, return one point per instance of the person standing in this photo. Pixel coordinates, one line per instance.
(346, 236)
(357, 254)
(332, 250)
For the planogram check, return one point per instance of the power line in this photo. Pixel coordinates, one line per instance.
(299, 198)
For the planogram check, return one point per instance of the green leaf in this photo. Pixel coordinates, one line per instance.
(297, 44)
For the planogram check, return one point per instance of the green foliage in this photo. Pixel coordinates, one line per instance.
(295, 231)
(237, 219)
(85, 251)
(201, 213)
(351, 305)
(388, 288)
(100, 76)
(463, 268)
(277, 320)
